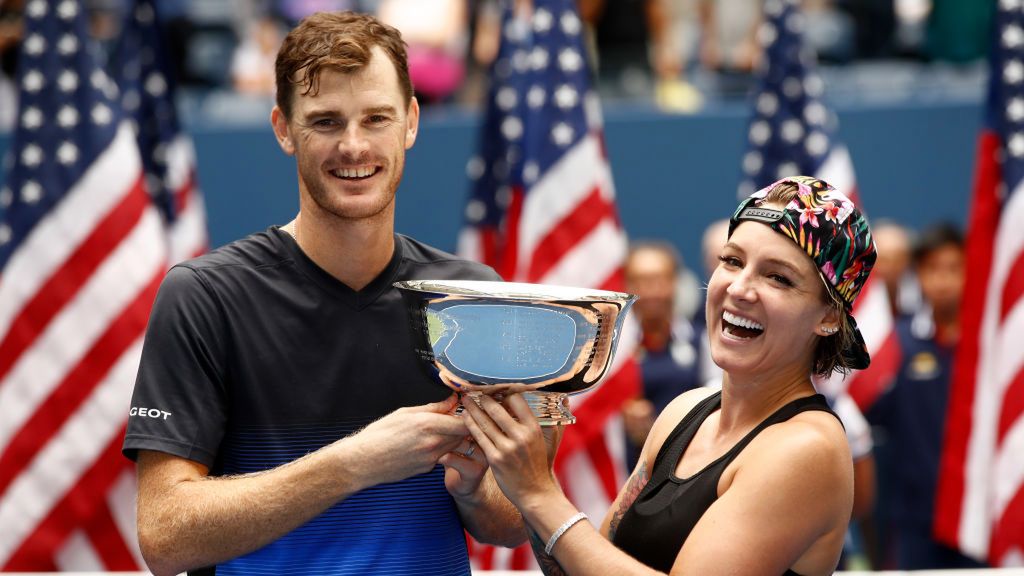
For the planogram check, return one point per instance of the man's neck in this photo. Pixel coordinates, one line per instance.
(656, 335)
(947, 326)
(353, 251)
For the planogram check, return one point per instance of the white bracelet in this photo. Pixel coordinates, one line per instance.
(561, 530)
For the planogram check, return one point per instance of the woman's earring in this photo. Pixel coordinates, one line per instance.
(829, 329)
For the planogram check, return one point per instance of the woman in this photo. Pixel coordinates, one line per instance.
(757, 478)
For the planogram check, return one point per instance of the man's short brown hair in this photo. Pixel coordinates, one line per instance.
(340, 40)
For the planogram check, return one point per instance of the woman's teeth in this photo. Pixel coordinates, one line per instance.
(740, 327)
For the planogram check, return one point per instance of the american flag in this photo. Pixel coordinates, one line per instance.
(542, 209)
(792, 132)
(142, 69)
(980, 502)
(83, 249)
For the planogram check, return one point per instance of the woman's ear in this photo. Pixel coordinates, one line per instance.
(831, 322)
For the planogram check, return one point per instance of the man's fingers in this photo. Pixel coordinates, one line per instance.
(446, 406)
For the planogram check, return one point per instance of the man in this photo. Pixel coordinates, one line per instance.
(913, 411)
(281, 420)
(669, 348)
(893, 266)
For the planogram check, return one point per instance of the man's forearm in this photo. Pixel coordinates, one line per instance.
(188, 521)
(490, 518)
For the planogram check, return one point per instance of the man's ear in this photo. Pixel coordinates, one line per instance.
(412, 123)
(280, 124)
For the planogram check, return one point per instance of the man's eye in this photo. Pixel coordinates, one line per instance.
(377, 119)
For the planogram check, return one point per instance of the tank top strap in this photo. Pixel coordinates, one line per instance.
(672, 449)
(805, 404)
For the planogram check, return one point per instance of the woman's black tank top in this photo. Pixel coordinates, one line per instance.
(657, 524)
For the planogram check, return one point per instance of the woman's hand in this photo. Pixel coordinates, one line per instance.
(518, 451)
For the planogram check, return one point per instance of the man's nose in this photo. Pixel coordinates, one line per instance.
(353, 140)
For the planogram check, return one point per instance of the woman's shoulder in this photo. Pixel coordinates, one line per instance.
(685, 402)
(810, 446)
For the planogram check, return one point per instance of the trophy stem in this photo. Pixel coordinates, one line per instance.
(550, 408)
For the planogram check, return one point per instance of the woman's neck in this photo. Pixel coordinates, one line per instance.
(748, 401)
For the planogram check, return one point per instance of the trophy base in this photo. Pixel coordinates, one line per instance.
(550, 408)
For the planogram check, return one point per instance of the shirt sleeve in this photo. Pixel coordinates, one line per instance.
(858, 431)
(179, 402)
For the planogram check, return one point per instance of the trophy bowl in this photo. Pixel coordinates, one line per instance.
(501, 338)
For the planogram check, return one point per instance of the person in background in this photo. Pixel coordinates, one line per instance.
(437, 34)
(669, 349)
(912, 412)
(252, 64)
(893, 266)
(715, 236)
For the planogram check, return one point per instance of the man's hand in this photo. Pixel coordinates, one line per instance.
(409, 441)
(464, 469)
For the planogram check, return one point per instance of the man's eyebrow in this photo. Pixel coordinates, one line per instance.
(331, 113)
(380, 110)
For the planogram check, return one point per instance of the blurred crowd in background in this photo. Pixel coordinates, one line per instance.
(679, 54)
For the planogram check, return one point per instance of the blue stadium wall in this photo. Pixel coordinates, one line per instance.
(673, 174)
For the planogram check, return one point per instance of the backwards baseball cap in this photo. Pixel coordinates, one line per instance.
(826, 225)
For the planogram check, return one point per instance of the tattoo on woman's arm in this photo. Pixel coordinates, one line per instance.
(633, 487)
(548, 565)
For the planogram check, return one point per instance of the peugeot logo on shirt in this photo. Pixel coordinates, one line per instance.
(148, 413)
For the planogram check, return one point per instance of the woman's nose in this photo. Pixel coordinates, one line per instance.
(742, 287)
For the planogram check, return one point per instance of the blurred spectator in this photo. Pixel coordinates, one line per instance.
(437, 34)
(729, 35)
(252, 65)
(10, 34)
(874, 26)
(893, 243)
(637, 50)
(912, 411)
(729, 44)
(202, 37)
(294, 10)
(668, 352)
(858, 436)
(715, 236)
(959, 30)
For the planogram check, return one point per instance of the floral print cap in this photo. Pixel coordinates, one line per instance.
(832, 231)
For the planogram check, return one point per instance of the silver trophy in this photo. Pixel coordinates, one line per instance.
(503, 337)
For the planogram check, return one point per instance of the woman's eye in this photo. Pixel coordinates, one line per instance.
(729, 260)
(781, 279)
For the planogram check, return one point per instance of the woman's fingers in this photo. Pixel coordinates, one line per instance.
(498, 414)
(520, 409)
(480, 425)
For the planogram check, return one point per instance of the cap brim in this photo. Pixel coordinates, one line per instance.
(856, 355)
